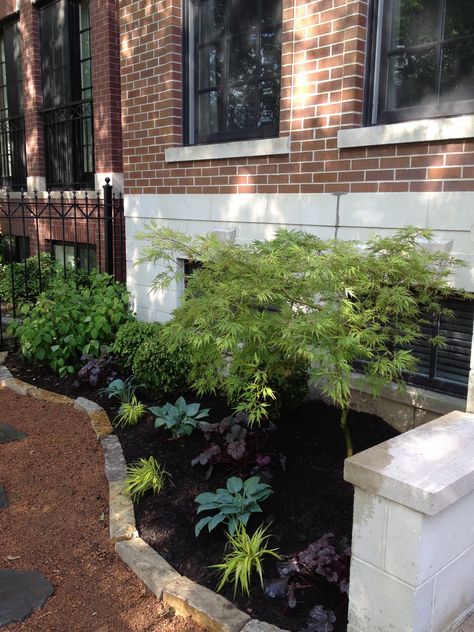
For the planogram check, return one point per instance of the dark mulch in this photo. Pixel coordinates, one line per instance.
(310, 498)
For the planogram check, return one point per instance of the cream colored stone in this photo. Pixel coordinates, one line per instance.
(48, 396)
(207, 608)
(101, 424)
(260, 626)
(17, 386)
(151, 568)
(426, 469)
(121, 514)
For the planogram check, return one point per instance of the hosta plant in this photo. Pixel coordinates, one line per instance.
(130, 413)
(232, 505)
(244, 558)
(145, 475)
(123, 390)
(180, 418)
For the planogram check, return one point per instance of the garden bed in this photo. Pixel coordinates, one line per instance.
(310, 497)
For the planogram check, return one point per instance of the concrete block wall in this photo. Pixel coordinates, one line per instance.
(413, 534)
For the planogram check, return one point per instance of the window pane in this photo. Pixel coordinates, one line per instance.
(242, 107)
(457, 72)
(243, 58)
(210, 113)
(271, 10)
(459, 18)
(415, 22)
(243, 15)
(270, 52)
(411, 79)
(211, 19)
(211, 66)
(269, 103)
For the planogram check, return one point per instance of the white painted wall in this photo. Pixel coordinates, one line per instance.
(257, 216)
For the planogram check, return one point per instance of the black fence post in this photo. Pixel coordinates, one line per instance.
(108, 227)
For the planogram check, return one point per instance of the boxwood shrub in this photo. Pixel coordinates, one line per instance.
(129, 338)
(162, 369)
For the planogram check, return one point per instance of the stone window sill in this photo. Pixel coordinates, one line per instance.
(239, 149)
(424, 130)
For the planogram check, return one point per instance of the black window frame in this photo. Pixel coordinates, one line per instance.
(191, 93)
(68, 123)
(81, 251)
(13, 165)
(380, 21)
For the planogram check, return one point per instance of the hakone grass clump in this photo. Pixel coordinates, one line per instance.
(244, 558)
(145, 475)
(130, 413)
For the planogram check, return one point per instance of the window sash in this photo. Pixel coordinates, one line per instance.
(222, 89)
(380, 110)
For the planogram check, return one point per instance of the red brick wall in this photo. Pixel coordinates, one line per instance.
(105, 77)
(323, 61)
(7, 7)
(105, 35)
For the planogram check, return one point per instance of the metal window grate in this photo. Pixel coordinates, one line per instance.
(69, 146)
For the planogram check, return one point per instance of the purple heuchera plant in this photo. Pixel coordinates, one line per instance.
(320, 620)
(96, 370)
(320, 561)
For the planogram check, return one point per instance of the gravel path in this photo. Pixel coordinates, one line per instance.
(56, 523)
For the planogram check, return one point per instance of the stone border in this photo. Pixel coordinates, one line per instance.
(187, 598)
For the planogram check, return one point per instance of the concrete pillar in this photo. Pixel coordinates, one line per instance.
(412, 568)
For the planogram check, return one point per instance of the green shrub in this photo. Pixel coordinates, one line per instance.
(70, 320)
(161, 368)
(26, 279)
(129, 337)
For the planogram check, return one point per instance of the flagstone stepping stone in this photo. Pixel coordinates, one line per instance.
(3, 498)
(8, 433)
(21, 592)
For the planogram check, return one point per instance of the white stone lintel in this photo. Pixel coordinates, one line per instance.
(236, 149)
(424, 130)
(427, 469)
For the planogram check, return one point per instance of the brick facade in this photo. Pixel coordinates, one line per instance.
(323, 64)
(105, 84)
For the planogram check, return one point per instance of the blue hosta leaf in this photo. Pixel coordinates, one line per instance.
(201, 524)
(233, 524)
(192, 409)
(215, 521)
(244, 518)
(205, 497)
(234, 485)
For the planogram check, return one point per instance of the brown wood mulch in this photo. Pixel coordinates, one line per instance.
(56, 523)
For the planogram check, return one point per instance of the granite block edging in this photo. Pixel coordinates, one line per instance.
(188, 598)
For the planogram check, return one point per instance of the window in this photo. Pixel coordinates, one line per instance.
(80, 256)
(15, 248)
(232, 69)
(12, 123)
(423, 59)
(446, 368)
(67, 94)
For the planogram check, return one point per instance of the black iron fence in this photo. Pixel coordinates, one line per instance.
(12, 153)
(43, 236)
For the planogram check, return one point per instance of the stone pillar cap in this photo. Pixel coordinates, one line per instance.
(426, 469)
